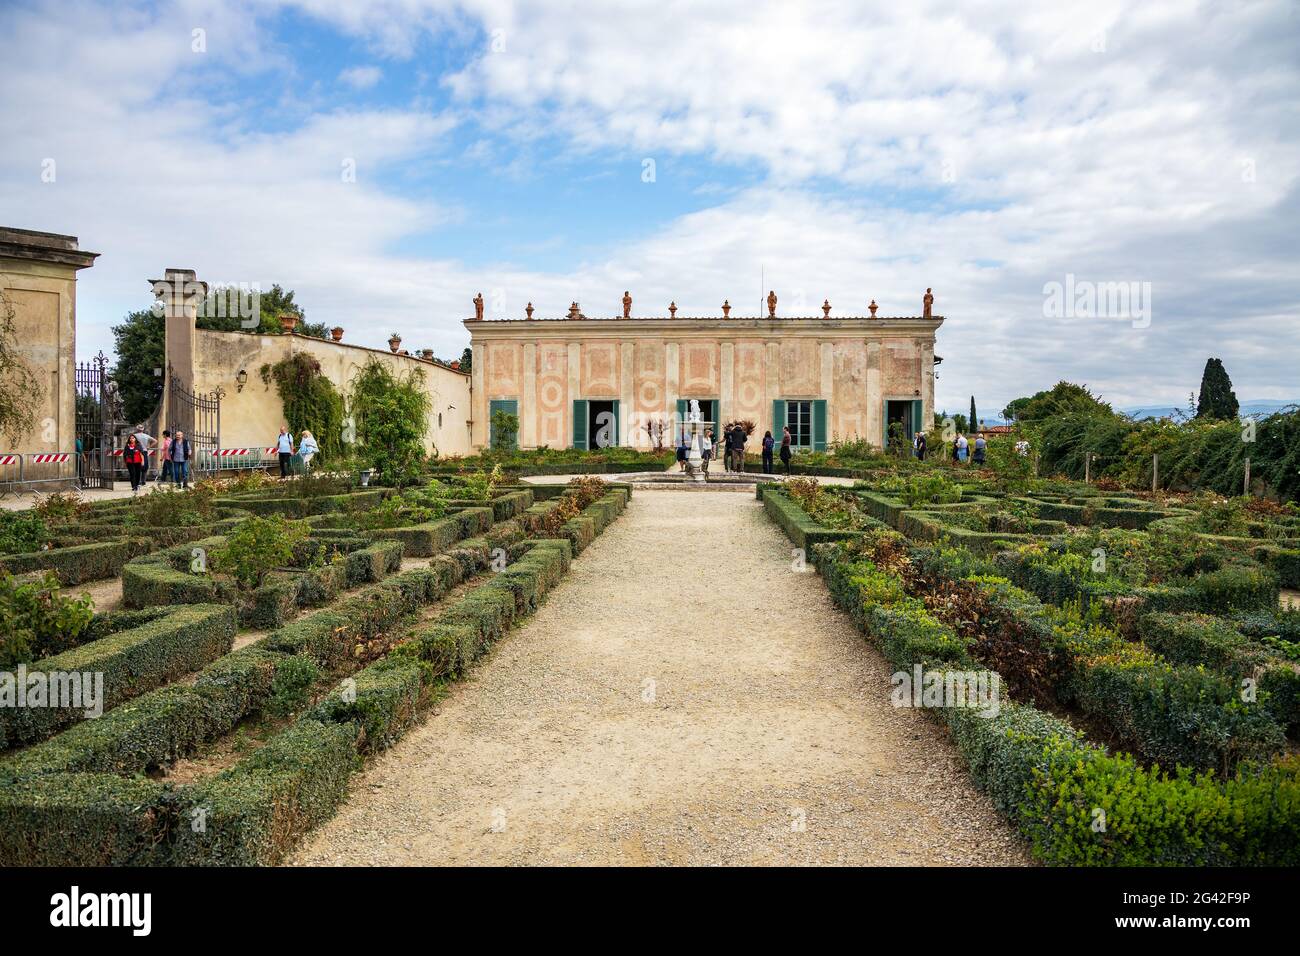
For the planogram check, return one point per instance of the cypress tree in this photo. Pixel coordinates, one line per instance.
(1217, 399)
(974, 419)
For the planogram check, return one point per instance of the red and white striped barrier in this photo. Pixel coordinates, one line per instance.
(10, 459)
(57, 457)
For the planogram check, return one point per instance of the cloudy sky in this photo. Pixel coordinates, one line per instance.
(692, 151)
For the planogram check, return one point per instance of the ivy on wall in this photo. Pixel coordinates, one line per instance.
(310, 402)
(392, 416)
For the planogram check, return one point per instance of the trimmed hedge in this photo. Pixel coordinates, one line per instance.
(131, 661)
(254, 812)
(431, 537)
(302, 507)
(800, 527)
(73, 565)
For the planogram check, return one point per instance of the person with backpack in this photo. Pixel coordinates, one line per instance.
(738, 448)
(785, 449)
(727, 452)
(134, 458)
(284, 448)
(307, 447)
(768, 443)
(180, 453)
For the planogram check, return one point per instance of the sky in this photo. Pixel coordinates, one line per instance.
(388, 160)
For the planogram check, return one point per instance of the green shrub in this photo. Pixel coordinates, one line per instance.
(37, 620)
(22, 531)
(256, 547)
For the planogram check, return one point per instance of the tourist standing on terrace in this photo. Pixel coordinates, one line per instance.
(179, 454)
(920, 446)
(165, 470)
(981, 448)
(284, 447)
(134, 459)
(738, 448)
(681, 452)
(706, 448)
(307, 447)
(727, 452)
(768, 443)
(785, 449)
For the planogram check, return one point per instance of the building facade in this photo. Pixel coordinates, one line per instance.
(586, 382)
(38, 288)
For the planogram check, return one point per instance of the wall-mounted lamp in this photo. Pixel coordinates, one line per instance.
(241, 379)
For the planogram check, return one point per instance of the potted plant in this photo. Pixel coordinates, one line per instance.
(336, 333)
(288, 322)
(394, 341)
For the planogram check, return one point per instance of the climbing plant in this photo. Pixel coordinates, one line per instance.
(310, 401)
(20, 389)
(391, 415)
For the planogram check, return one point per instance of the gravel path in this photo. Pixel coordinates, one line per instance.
(684, 697)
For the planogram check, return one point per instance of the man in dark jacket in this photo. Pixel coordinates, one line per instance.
(180, 453)
(738, 448)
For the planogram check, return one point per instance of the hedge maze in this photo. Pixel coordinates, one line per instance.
(1150, 681)
(234, 712)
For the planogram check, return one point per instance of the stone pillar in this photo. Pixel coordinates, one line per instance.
(478, 435)
(529, 403)
(772, 381)
(672, 368)
(628, 427)
(875, 394)
(178, 294)
(927, 383)
(574, 363)
(727, 385)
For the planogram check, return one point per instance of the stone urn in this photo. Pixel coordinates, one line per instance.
(672, 309)
(426, 354)
(726, 309)
(336, 333)
(288, 322)
(872, 307)
(394, 341)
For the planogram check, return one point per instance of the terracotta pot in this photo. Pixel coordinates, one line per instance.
(288, 322)
(426, 354)
(393, 343)
(336, 333)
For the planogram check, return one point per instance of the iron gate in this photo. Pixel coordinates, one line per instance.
(94, 423)
(199, 416)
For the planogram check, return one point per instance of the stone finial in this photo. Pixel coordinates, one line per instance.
(529, 311)
(672, 308)
(574, 311)
(771, 304)
(726, 308)
(627, 304)
(478, 306)
(872, 308)
(927, 303)
(826, 308)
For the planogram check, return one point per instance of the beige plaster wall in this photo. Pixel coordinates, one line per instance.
(44, 297)
(253, 417)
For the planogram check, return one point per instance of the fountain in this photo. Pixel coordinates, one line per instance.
(695, 457)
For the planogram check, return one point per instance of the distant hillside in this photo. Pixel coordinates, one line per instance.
(1262, 407)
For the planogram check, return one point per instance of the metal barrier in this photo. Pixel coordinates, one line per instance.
(19, 469)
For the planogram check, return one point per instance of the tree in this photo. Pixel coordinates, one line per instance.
(310, 402)
(1016, 407)
(139, 344)
(270, 306)
(392, 416)
(1217, 399)
(21, 390)
(466, 359)
(974, 419)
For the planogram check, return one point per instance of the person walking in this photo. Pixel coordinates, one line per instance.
(785, 449)
(133, 458)
(920, 446)
(147, 446)
(307, 447)
(706, 449)
(284, 448)
(738, 437)
(962, 447)
(981, 449)
(727, 453)
(165, 469)
(180, 454)
(682, 452)
(768, 443)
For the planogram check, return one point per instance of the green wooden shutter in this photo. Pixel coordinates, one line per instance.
(918, 408)
(580, 423)
(819, 424)
(681, 417)
(508, 405)
(778, 420)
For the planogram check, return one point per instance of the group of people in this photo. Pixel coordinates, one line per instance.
(961, 448)
(734, 438)
(285, 449)
(174, 454)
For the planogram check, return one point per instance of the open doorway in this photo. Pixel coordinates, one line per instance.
(602, 423)
(901, 416)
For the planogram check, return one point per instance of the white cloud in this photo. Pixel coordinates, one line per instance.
(361, 77)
